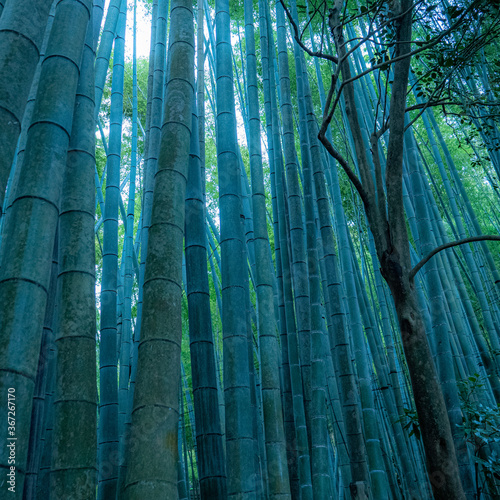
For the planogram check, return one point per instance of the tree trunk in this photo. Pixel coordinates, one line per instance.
(384, 209)
(433, 419)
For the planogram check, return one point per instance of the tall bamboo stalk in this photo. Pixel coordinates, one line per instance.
(22, 28)
(269, 353)
(24, 276)
(108, 438)
(211, 460)
(74, 460)
(152, 468)
(242, 476)
(124, 400)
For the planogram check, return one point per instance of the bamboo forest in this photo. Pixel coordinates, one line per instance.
(249, 249)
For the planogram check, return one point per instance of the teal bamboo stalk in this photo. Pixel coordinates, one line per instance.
(182, 488)
(74, 459)
(237, 391)
(280, 313)
(45, 361)
(246, 204)
(200, 91)
(269, 350)
(341, 350)
(104, 51)
(156, 107)
(296, 431)
(155, 83)
(182, 468)
(375, 462)
(127, 256)
(190, 407)
(152, 468)
(119, 310)
(43, 479)
(253, 342)
(32, 221)
(22, 28)
(336, 417)
(211, 460)
(259, 452)
(298, 247)
(13, 179)
(149, 103)
(215, 278)
(138, 244)
(352, 419)
(97, 15)
(108, 439)
(322, 486)
(43, 376)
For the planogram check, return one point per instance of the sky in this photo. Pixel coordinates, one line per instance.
(143, 45)
(143, 29)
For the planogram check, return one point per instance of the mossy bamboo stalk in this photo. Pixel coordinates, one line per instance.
(152, 468)
(22, 28)
(108, 439)
(24, 276)
(74, 460)
(277, 472)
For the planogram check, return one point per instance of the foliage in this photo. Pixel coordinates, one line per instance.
(410, 422)
(481, 425)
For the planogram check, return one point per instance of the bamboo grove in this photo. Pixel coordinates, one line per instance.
(261, 263)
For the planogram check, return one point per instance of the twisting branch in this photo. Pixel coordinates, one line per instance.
(327, 115)
(427, 104)
(373, 31)
(379, 183)
(485, 237)
(327, 118)
(297, 37)
(385, 64)
(345, 166)
(309, 21)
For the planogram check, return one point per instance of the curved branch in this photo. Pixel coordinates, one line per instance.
(422, 48)
(345, 166)
(485, 237)
(298, 37)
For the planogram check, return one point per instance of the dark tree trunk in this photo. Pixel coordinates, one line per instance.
(435, 427)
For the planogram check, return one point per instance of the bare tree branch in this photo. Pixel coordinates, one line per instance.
(485, 237)
(428, 104)
(297, 37)
(422, 48)
(345, 166)
(379, 183)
